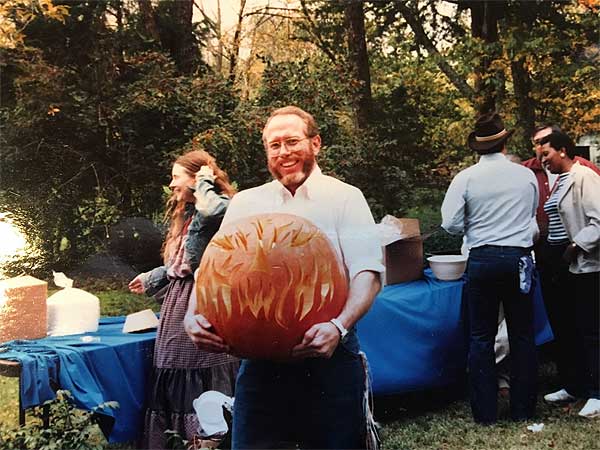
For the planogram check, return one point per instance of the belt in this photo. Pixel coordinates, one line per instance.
(503, 247)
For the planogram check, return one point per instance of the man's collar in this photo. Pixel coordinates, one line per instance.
(304, 189)
(498, 156)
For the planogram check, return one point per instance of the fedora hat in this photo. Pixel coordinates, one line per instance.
(489, 132)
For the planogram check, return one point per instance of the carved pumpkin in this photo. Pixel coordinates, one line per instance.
(266, 279)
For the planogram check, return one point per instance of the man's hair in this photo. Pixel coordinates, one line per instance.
(495, 149)
(559, 140)
(542, 126)
(312, 128)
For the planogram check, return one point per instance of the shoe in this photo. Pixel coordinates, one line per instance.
(591, 409)
(561, 396)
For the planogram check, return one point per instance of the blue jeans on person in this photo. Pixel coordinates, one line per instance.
(313, 403)
(493, 277)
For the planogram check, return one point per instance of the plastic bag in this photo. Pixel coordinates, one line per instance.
(71, 310)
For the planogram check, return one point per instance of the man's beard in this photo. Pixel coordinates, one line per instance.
(297, 178)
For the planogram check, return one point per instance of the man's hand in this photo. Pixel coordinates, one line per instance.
(201, 333)
(571, 252)
(136, 286)
(320, 341)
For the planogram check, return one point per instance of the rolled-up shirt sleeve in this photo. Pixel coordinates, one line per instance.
(453, 206)
(358, 237)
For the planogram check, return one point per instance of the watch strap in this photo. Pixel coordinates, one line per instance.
(341, 328)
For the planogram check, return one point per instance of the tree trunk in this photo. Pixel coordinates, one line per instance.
(233, 59)
(177, 35)
(219, 35)
(484, 25)
(359, 59)
(522, 87)
(521, 21)
(147, 13)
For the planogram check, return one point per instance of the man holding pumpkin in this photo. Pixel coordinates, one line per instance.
(317, 399)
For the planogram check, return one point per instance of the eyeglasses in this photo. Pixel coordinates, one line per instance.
(536, 142)
(292, 144)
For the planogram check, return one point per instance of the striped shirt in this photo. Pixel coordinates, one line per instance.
(556, 230)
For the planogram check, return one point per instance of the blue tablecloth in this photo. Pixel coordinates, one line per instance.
(114, 368)
(415, 337)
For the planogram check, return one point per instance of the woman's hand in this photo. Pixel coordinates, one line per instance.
(571, 252)
(136, 286)
(206, 172)
(202, 334)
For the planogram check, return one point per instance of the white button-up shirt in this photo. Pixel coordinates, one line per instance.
(492, 203)
(336, 208)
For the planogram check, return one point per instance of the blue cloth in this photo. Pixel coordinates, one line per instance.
(111, 369)
(415, 337)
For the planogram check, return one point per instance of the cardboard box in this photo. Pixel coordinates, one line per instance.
(23, 308)
(403, 258)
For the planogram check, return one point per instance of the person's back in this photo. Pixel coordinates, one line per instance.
(498, 197)
(493, 204)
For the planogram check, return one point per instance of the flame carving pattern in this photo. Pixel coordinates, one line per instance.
(264, 280)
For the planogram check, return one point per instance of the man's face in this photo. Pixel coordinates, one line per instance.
(290, 152)
(536, 139)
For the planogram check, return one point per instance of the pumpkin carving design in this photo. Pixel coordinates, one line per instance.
(264, 280)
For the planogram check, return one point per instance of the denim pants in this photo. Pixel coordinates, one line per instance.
(493, 277)
(313, 403)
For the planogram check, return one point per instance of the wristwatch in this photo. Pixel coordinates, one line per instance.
(341, 328)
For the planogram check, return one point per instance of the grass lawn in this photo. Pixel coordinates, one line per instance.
(439, 420)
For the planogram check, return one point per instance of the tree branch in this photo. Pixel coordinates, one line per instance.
(313, 30)
(424, 41)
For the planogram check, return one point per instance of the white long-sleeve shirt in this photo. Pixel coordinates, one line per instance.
(492, 203)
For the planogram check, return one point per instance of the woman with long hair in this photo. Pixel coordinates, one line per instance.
(181, 372)
(573, 210)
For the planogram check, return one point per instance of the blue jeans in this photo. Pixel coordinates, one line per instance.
(313, 403)
(493, 277)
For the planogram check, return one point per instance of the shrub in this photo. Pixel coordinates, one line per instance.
(71, 428)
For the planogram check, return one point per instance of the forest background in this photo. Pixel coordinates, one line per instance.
(98, 97)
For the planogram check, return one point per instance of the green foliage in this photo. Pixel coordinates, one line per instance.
(117, 302)
(71, 428)
(93, 111)
(426, 208)
(89, 132)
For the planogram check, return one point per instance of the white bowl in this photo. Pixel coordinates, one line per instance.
(448, 267)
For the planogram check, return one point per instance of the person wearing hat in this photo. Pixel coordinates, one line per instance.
(493, 203)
